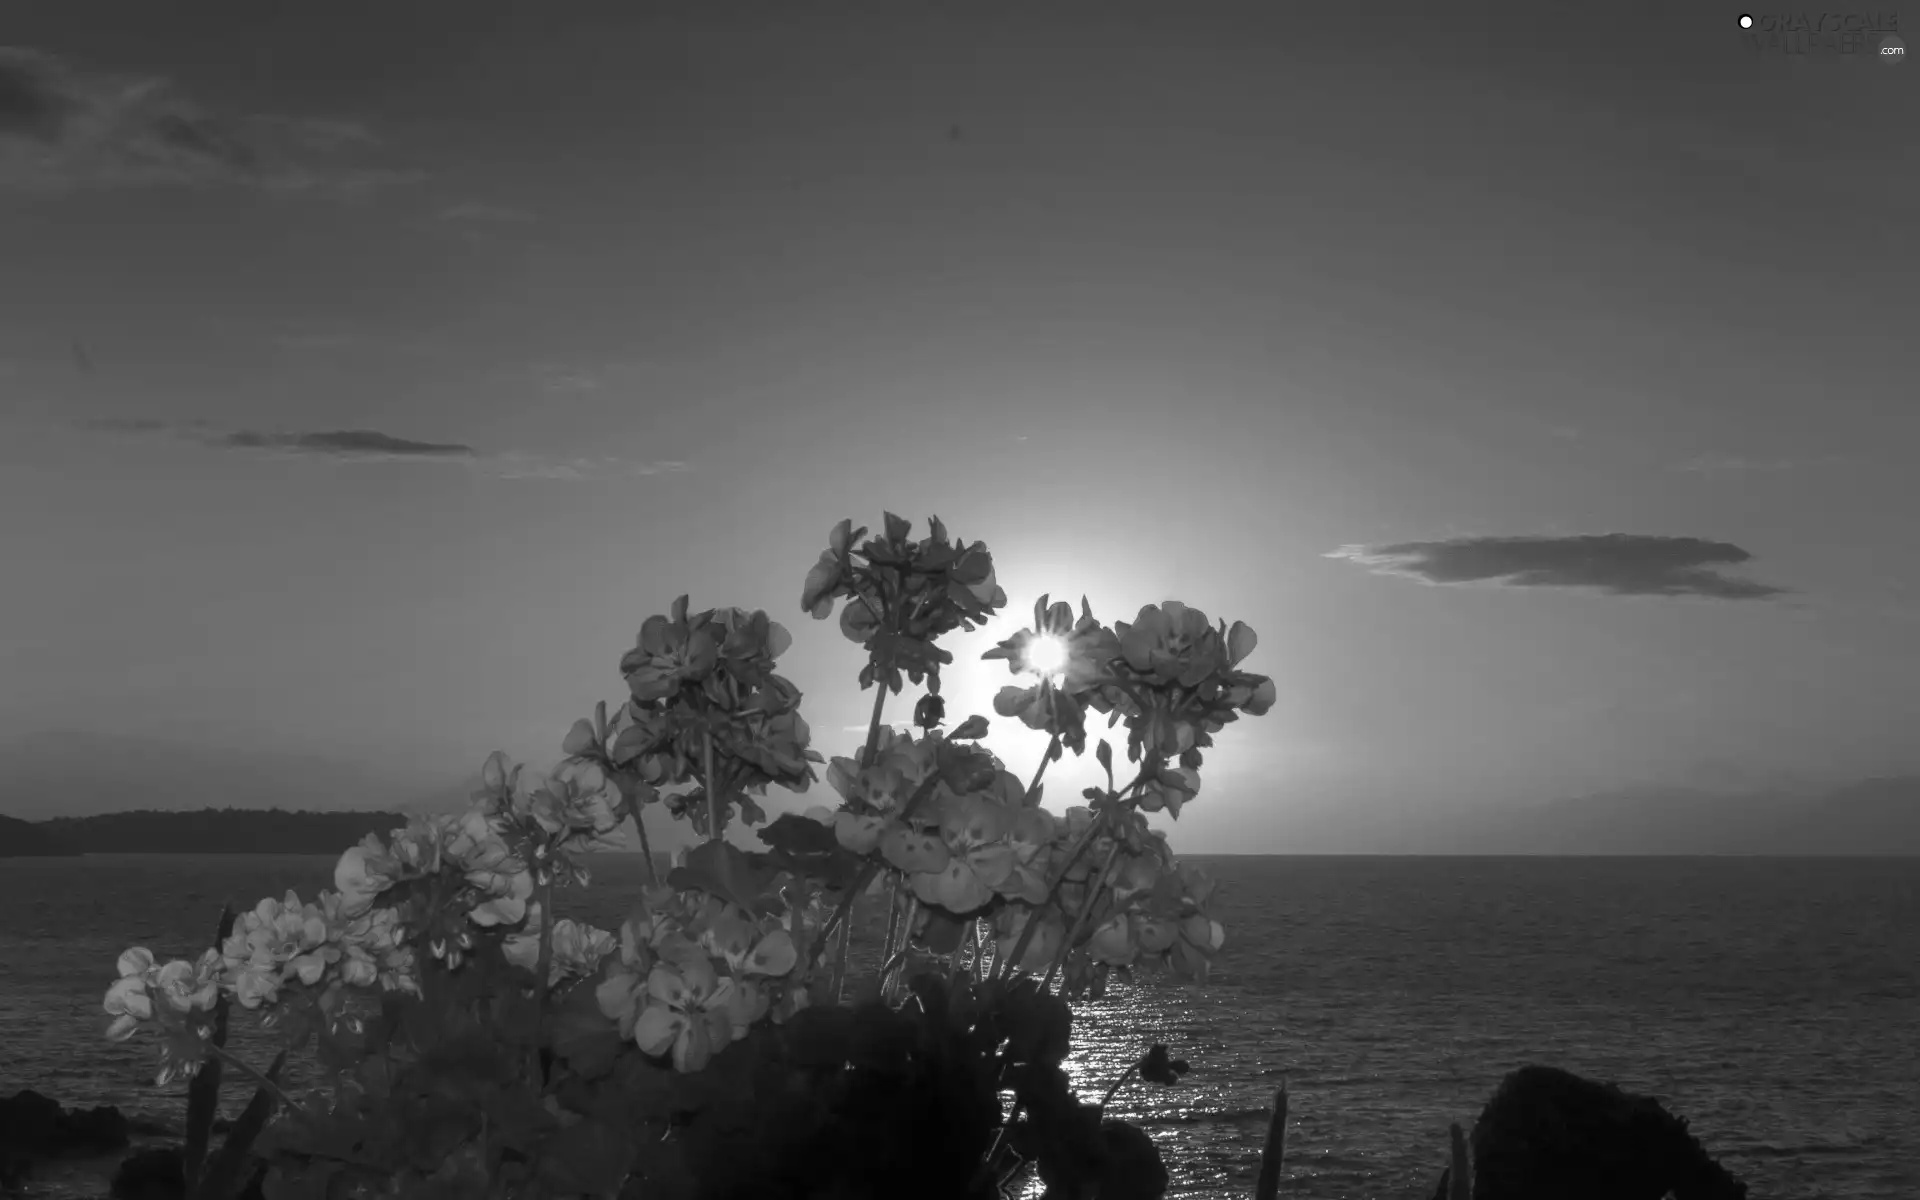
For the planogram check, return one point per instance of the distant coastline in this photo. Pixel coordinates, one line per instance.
(206, 831)
(24, 839)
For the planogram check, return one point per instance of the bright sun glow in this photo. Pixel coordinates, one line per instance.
(1047, 655)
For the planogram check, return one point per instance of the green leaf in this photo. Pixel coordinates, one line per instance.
(820, 1037)
(1038, 1026)
(807, 848)
(944, 931)
(203, 1094)
(519, 1121)
(307, 1181)
(222, 1176)
(583, 1036)
(722, 869)
(589, 1157)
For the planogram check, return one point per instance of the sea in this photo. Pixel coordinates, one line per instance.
(1775, 1002)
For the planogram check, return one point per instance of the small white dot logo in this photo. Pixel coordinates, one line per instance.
(1892, 50)
(1746, 22)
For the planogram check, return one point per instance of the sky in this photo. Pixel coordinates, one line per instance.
(1529, 378)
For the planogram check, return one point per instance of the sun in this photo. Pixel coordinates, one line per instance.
(1046, 655)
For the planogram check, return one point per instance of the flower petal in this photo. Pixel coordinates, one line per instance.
(658, 1029)
(774, 955)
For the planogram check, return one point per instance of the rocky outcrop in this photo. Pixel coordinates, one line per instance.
(160, 1174)
(34, 1128)
(1549, 1132)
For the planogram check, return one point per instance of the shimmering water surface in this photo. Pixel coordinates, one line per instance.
(1776, 1002)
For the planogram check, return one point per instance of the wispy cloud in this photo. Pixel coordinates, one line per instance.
(65, 128)
(1734, 464)
(370, 445)
(561, 380)
(474, 212)
(1620, 564)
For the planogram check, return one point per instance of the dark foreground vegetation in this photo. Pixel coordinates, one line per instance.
(1545, 1132)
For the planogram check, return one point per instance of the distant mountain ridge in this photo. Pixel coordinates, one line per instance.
(19, 839)
(69, 774)
(214, 831)
(84, 776)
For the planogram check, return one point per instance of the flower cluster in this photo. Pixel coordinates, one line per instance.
(703, 691)
(693, 975)
(902, 595)
(575, 948)
(1171, 675)
(707, 726)
(275, 944)
(491, 882)
(1161, 920)
(1056, 704)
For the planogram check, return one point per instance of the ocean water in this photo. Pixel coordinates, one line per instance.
(1775, 1002)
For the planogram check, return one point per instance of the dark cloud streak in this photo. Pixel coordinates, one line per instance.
(371, 445)
(63, 127)
(351, 443)
(31, 102)
(1619, 564)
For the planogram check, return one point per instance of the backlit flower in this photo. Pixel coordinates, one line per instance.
(669, 653)
(1172, 644)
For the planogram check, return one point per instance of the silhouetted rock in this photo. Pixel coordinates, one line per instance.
(1549, 1132)
(151, 1175)
(161, 1175)
(1133, 1168)
(34, 1128)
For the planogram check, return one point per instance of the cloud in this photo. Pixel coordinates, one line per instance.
(370, 445)
(347, 443)
(1620, 564)
(1734, 464)
(64, 128)
(516, 465)
(475, 212)
(562, 380)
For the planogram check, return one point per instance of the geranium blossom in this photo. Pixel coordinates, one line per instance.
(577, 948)
(669, 653)
(685, 1014)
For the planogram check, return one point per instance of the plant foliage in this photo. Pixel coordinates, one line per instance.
(475, 1047)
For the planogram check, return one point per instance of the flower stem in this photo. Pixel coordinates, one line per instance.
(267, 1085)
(859, 885)
(713, 791)
(893, 928)
(646, 847)
(905, 949)
(1052, 745)
(1006, 969)
(873, 724)
(1118, 1083)
(1080, 921)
